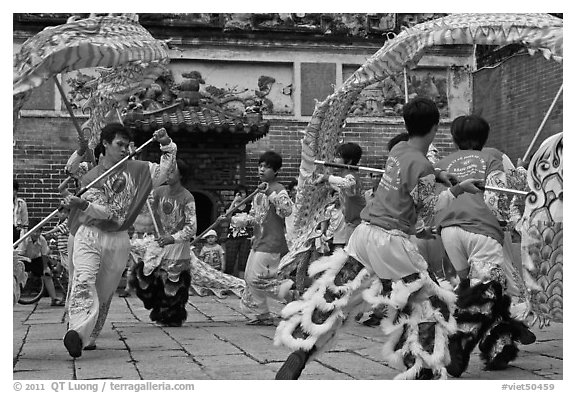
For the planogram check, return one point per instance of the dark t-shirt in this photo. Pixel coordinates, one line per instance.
(392, 206)
(269, 232)
(469, 211)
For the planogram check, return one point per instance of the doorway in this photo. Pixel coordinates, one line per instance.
(205, 210)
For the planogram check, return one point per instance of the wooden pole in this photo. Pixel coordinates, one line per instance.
(262, 187)
(405, 85)
(83, 190)
(350, 167)
(525, 157)
(368, 169)
(81, 137)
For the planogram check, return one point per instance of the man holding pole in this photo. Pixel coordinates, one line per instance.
(99, 222)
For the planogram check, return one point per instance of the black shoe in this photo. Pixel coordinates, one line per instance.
(124, 294)
(526, 336)
(172, 324)
(73, 343)
(459, 356)
(293, 366)
(90, 347)
(372, 321)
(425, 374)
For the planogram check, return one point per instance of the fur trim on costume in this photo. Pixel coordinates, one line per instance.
(332, 263)
(412, 372)
(301, 313)
(497, 347)
(485, 306)
(403, 346)
(284, 336)
(320, 312)
(373, 294)
(314, 300)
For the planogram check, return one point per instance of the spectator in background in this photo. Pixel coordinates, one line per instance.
(20, 213)
(62, 234)
(238, 240)
(212, 253)
(36, 248)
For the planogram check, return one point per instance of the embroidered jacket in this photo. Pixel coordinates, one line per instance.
(117, 200)
(175, 214)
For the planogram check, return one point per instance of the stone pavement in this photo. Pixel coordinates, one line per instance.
(215, 343)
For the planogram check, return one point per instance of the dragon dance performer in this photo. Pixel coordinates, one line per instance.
(161, 276)
(473, 239)
(269, 209)
(99, 222)
(382, 267)
(349, 186)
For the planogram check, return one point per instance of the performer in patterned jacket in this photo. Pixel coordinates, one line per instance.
(99, 222)
(161, 276)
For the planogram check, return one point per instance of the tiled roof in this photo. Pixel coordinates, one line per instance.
(197, 119)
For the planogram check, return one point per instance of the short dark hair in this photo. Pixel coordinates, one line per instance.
(470, 132)
(293, 183)
(420, 115)
(110, 131)
(272, 159)
(184, 169)
(398, 138)
(350, 152)
(16, 185)
(240, 187)
(32, 223)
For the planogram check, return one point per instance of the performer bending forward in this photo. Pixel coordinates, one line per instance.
(383, 268)
(99, 222)
(162, 275)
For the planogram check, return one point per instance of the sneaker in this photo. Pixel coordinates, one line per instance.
(372, 321)
(57, 303)
(268, 321)
(90, 347)
(73, 343)
(293, 366)
(124, 293)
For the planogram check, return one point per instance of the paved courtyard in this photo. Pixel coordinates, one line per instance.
(216, 344)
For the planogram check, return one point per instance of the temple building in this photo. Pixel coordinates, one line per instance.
(240, 84)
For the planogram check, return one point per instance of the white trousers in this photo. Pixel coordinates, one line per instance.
(98, 260)
(465, 249)
(259, 264)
